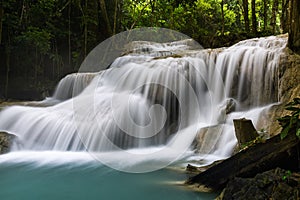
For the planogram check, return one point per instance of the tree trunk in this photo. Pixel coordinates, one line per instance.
(274, 15)
(57, 61)
(120, 16)
(36, 66)
(153, 15)
(223, 18)
(284, 16)
(69, 34)
(105, 17)
(140, 14)
(254, 20)
(294, 33)
(1, 19)
(115, 17)
(265, 14)
(7, 53)
(246, 15)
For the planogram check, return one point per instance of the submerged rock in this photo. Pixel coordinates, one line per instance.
(6, 140)
(276, 184)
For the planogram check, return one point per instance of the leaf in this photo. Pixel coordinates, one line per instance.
(284, 133)
(298, 133)
(283, 121)
(293, 108)
(297, 100)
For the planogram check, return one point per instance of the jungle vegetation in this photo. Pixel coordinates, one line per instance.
(43, 40)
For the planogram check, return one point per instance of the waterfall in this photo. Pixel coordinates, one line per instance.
(155, 95)
(72, 85)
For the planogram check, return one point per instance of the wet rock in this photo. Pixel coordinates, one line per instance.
(6, 140)
(230, 106)
(244, 131)
(251, 161)
(195, 170)
(227, 107)
(288, 89)
(192, 169)
(274, 184)
(206, 139)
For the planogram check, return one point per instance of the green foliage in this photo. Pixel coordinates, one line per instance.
(198, 18)
(55, 35)
(38, 38)
(287, 175)
(291, 123)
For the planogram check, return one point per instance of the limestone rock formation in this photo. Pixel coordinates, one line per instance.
(288, 89)
(5, 142)
(289, 83)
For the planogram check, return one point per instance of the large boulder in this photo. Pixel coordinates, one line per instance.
(207, 139)
(6, 140)
(244, 131)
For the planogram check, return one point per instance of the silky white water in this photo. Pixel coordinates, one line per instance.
(143, 100)
(142, 114)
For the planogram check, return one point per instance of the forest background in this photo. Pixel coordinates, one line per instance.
(43, 40)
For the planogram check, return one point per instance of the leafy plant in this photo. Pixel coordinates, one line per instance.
(291, 123)
(287, 175)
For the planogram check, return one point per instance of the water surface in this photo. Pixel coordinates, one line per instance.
(46, 175)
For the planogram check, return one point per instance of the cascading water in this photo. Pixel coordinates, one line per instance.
(72, 85)
(155, 96)
(155, 105)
